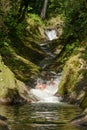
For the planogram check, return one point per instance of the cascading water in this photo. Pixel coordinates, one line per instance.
(45, 92)
(45, 46)
(51, 34)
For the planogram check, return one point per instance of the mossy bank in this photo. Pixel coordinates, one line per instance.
(73, 86)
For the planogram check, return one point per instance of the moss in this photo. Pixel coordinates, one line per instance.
(70, 75)
(22, 53)
(84, 101)
(53, 21)
(6, 79)
(21, 66)
(10, 87)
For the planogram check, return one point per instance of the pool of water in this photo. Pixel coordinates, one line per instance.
(41, 116)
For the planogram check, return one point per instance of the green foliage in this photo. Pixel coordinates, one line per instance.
(76, 19)
(55, 7)
(84, 56)
(72, 47)
(14, 27)
(34, 19)
(36, 6)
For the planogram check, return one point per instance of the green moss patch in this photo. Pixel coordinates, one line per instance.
(10, 88)
(70, 75)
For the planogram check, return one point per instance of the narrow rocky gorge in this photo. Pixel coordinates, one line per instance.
(40, 38)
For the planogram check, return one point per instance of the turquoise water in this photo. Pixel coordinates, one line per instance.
(37, 116)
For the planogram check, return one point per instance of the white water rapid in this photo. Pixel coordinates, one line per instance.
(51, 34)
(46, 93)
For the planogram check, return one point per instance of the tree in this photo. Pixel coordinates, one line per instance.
(43, 12)
(23, 8)
(76, 19)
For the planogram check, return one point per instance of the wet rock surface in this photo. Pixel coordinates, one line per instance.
(3, 124)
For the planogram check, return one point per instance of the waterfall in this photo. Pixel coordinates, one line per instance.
(46, 86)
(51, 34)
(45, 90)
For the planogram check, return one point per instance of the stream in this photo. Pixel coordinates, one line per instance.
(46, 87)
(42, 115)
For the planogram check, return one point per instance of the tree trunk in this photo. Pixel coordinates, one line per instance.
(43, 12)
(23, 8)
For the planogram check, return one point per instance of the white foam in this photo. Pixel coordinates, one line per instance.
(47, 94)
(51, 34)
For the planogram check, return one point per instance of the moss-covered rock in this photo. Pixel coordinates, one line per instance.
(73, 85)
(84, 101)
(21, 51)
(80, 120)
(71, 77)
(3, 125)
(11, 90)
(19, 64)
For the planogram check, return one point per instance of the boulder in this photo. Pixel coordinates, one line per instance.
(3, 124)
(71, 78)
(11, 89)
